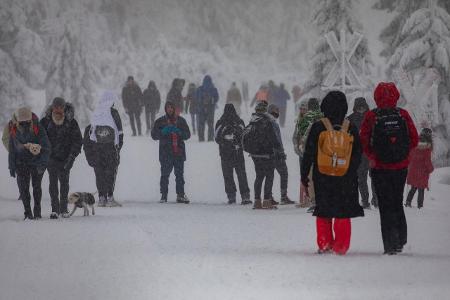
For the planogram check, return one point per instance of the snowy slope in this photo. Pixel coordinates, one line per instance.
(209, 250)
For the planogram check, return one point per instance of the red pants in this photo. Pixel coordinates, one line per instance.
(342, 233)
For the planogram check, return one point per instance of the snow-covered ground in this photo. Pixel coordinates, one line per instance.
(207, 249)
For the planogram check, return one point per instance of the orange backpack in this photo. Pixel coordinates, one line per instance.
(334, 149)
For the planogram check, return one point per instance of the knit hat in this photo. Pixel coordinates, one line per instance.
(24, 114)
(58, 102)
(261, 107)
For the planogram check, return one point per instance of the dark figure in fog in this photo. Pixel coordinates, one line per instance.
(192, 105)
(229, 130)
(65, 140)
(102, 142)
(207, 98)
(152, 104)
(132, 103)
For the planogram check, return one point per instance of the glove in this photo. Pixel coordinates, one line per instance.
(12, 172)
(69, 163)
(40, 170)
(167, 129)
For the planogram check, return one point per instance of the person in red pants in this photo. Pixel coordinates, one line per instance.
(336, 196)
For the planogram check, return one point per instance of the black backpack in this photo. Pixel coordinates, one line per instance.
(105, 134)
(390, 137)
(256, 137)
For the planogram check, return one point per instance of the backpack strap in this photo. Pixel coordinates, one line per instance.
(345, 125)
(326, 122)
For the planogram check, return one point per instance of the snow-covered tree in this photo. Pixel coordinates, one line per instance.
(426, 44)
(334, 15)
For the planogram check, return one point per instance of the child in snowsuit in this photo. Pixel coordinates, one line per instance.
(336, 196)
(420, 167)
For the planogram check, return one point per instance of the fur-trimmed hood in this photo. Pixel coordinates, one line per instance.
(69, 112)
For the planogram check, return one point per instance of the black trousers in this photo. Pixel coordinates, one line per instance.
(264, 169)
(420, 196)
(238, 165)
(149, 118)
(105, 173)
(206, 119)
(282, 115)
(389, 186)
(24, 175)
(282, 169)
(363, 172)
(57, 174)
(135, 116)
(194, 118)
(167, 165)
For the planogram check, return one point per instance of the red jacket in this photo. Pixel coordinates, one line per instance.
(420, 166)
(386, 95)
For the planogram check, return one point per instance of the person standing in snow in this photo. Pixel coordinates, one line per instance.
(152, 104)
(388, 135)
(102, 142)
(229, 130)
(29, 152)
(336, 196)
(65, 140)
(303, 127)
(420, 167)
(132, 102)
(191, 105)
(281, 98)
(296, 93)
(360, 107)
(234, 97)
(261, 95)
(279, 157)
(207, 98)
(175, 95)
(171, 131)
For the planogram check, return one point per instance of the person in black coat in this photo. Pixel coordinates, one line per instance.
(29, 152)
(175, 95)
(152, 104)
(336, 196)
(102, 142)
(228, 131)
(171, 131)
(132, 103)
(65, 139)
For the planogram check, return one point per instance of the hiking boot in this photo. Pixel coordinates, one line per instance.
(101, 201)
(408, 204)
(311, 209)
(37, 217)
(53, 216)
(269, 204)
(163, 198)
(110, 202)
(231, 198)
(28, 216)
(182, 198)
(257, 204)
(285, 200)
(274, 202)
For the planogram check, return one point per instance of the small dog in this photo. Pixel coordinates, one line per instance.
(82, 200)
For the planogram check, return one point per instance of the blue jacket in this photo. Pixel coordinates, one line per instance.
(207, 96)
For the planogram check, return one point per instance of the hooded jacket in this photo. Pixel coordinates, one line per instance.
(132, 98)
(174, 96)
(228, 134)
(386, 96)
(65, 139)
(171, 145)
(207, 96)
(420, 166)
(152, 97)
(336, 196)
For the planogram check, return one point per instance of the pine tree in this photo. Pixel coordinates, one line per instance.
(334, 15)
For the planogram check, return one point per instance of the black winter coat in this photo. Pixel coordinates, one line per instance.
(336, 197)
(152, 99)
(65, 139)
(132, 98)
(230, 150)
(165, 141)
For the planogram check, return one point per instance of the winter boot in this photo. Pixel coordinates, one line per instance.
(231, 198)
(246, 199)
(182, 198)
(53, 216)
(285, 200)
(110, 202)
(269, 204)
(28, 215)
(374, 202)
(257, 204)
(310, 210)
(274, 202)
(163, 198)
(101, 201)
(408, 203)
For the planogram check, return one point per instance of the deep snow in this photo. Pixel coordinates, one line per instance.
(207, 249)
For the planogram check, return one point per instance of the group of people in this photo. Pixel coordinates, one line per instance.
(335, 154)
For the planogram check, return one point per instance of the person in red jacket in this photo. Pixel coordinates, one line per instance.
(420, 167)
(387, 136)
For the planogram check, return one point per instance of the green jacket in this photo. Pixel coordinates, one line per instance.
(302, 126)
